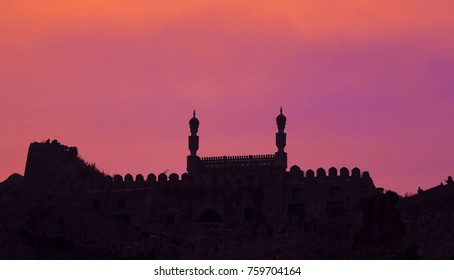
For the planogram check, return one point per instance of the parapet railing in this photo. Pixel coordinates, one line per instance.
(238, 161)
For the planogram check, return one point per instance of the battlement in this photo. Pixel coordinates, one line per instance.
(238, 161)
(296, 174)
(128, 182)
(59, 166)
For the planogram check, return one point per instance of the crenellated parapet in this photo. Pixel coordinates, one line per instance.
(117, 182)
(210, 180)
(297, 175)
(59, 166)
(252, 178)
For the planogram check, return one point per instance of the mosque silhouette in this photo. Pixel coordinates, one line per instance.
(224, 207)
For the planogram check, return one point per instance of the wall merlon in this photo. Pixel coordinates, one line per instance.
(332, 172)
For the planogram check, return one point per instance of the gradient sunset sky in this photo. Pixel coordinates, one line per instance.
(362, 83)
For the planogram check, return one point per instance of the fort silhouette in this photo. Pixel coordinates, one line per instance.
(224, 207)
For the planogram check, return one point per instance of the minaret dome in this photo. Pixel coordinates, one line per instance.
(281, 120)
(194, 124)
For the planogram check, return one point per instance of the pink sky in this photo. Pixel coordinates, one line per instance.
(363, 83)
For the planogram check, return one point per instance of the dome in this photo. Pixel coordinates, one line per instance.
(193, 120)
(281, 118)
(194, 124)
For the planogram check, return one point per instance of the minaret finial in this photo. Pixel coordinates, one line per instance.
(193, 113)
(281, 141)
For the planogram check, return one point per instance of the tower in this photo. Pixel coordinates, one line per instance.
(193, 145)
(281, 141)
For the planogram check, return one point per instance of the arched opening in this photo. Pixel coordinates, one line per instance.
(209, 216)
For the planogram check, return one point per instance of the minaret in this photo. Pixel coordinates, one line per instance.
(193, 139)
(281, 141)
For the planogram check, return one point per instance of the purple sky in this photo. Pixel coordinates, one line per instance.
(363, 83)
